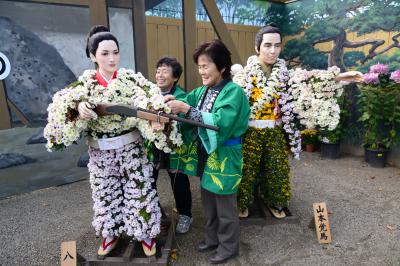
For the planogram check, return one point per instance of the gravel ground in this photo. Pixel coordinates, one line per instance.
(364, 220)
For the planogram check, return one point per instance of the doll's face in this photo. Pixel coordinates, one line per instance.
(270, 48)
(107, 56)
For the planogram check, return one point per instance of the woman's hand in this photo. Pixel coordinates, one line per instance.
(85, 111)
(168, 98)
(351, 76)
(175, 105)
(178, 106)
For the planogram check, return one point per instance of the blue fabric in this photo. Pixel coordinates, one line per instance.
(234, 141)
(207, 136)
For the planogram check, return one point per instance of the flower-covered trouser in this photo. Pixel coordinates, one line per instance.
(124, 200)
(265, 159)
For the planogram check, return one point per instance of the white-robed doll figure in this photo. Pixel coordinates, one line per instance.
(120, 173)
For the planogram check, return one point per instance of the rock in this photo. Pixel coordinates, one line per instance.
(13, 159)
(83, 160)
(37, 71)
(37, 138)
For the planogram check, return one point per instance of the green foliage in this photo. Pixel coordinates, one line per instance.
(377, 15)
(392, 61)
(324, 21)
(146, 216)
(331, 136)
(380, 114)
(353, 58)
(309, 56)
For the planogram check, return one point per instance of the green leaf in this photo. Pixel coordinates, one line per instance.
(237, 183)
(217, 182)
(365, 117)
(190, 167)
(193, 149)
(186, 160)
(212, 162)
(223, 164)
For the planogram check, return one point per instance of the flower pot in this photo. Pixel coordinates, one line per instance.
(376, 158)
(310, 147)
(330, 150)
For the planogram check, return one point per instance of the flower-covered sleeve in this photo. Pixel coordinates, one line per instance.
(315, 94)
(64, 127)
(148, 96)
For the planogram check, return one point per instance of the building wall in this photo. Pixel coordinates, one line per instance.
(165, 37)
(65, 28)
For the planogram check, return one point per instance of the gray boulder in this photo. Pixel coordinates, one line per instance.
(13, 159)
(83, 160)
(37, 71)
(37, 137)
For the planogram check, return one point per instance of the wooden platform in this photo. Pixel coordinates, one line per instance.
(128, 252)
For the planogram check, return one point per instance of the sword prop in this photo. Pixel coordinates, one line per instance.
(157, 116)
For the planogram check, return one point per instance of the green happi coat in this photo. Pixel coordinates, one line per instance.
(223, 170)
(174, 160)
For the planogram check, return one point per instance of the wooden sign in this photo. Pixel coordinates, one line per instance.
(68, 253)
(322, 223)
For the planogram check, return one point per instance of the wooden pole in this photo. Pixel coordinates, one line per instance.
(189, 42)
(98, 12)
(5, 116)
(221, 29)
(140, 36)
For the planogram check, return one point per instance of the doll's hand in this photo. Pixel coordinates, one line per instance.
(85, 111)
(351, 76)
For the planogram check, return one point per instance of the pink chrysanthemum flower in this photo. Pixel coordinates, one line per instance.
(371, 78)
(395, 76)
(379, 69)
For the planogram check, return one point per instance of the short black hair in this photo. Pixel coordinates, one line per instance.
(218, 53)
(270, 28)
(97, 34)
(173, 63)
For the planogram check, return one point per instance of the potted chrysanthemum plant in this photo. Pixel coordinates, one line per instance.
(379, 102)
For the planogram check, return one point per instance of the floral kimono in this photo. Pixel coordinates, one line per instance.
(120, 173)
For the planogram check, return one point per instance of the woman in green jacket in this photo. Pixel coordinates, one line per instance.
(216, 157)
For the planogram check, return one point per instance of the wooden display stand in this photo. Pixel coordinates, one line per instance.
(259, 214)
(128, 252)
(131, 253)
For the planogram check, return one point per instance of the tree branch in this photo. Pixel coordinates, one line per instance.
(322, 40)
(375, 44)
(395, 44)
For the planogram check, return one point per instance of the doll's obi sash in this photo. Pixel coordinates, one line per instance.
(115, 142)
(264, 123)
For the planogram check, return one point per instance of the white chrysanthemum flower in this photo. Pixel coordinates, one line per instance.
(130, 88)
